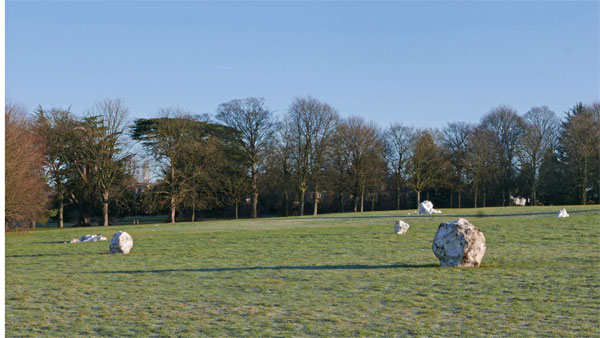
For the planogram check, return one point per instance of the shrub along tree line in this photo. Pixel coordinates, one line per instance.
(246, 160)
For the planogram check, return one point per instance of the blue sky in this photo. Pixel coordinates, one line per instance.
(421, 64)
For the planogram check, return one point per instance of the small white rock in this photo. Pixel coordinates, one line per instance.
(562, 213)
(401, 227)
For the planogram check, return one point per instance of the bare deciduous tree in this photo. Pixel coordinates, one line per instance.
(56, 126)
(426, 163)
(25, 191)
(456, 140)
(364, 147)
(507, 128)
(108, 156)
(398, 148)
(541, 134)
(482, 165)
(312, 123)
(254, 124)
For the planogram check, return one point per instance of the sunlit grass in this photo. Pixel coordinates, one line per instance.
(334, 275)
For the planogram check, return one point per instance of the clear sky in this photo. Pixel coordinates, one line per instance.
(418, 63)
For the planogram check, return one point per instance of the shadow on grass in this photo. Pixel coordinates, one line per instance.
(293, 267)
(37, 255)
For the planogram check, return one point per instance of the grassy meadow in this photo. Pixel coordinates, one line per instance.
(332, 275)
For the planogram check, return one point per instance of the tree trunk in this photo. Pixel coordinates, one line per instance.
(236, 209)
(316, 201)
(373, 202)
(254, 191)
(418, 199)
(475, 199)
(584, 183)
(60, 214)
(302, 192)
(484, 198)
(398, 197)
(105, 208)
(193, 214)
(459, 199)
(362, 199)
(254, 195)
(451, 198)
(172, 209)
(341, 202)
(286, 202)
(355, 203)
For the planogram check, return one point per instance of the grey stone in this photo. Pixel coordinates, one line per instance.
(121, 243)
(459, 244)
(401, 227)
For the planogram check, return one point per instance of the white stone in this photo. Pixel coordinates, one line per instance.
(121, 243)
(401, 227)
(562, 213)
(459, 244)
(92, 238)
(426, 207)
(88, 238)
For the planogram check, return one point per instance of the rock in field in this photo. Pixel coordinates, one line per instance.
(92, 238)
(562, 213)
(401, 227)
(121, 243)
(459, 244)
(426, 207)
(88, 238)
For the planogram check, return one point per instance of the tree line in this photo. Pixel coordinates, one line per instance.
(245, 160)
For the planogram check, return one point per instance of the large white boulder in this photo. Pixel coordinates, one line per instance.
(562, 213)
(401, 227)
(459, 244)
(121, 243)
(426, 207)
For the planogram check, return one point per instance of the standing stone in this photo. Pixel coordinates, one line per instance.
(401, 227)
(459, 244)
(426, 207)
(121, 243)
(562, 213)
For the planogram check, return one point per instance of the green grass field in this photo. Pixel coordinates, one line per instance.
(333, 275)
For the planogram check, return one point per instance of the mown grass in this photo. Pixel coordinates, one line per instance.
(334, 275)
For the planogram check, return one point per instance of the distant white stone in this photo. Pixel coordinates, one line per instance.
(426, 207)
(121, 243)
(92, 238)
(88, 238)
(562, 213)
(401, 227)
(459, 244)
